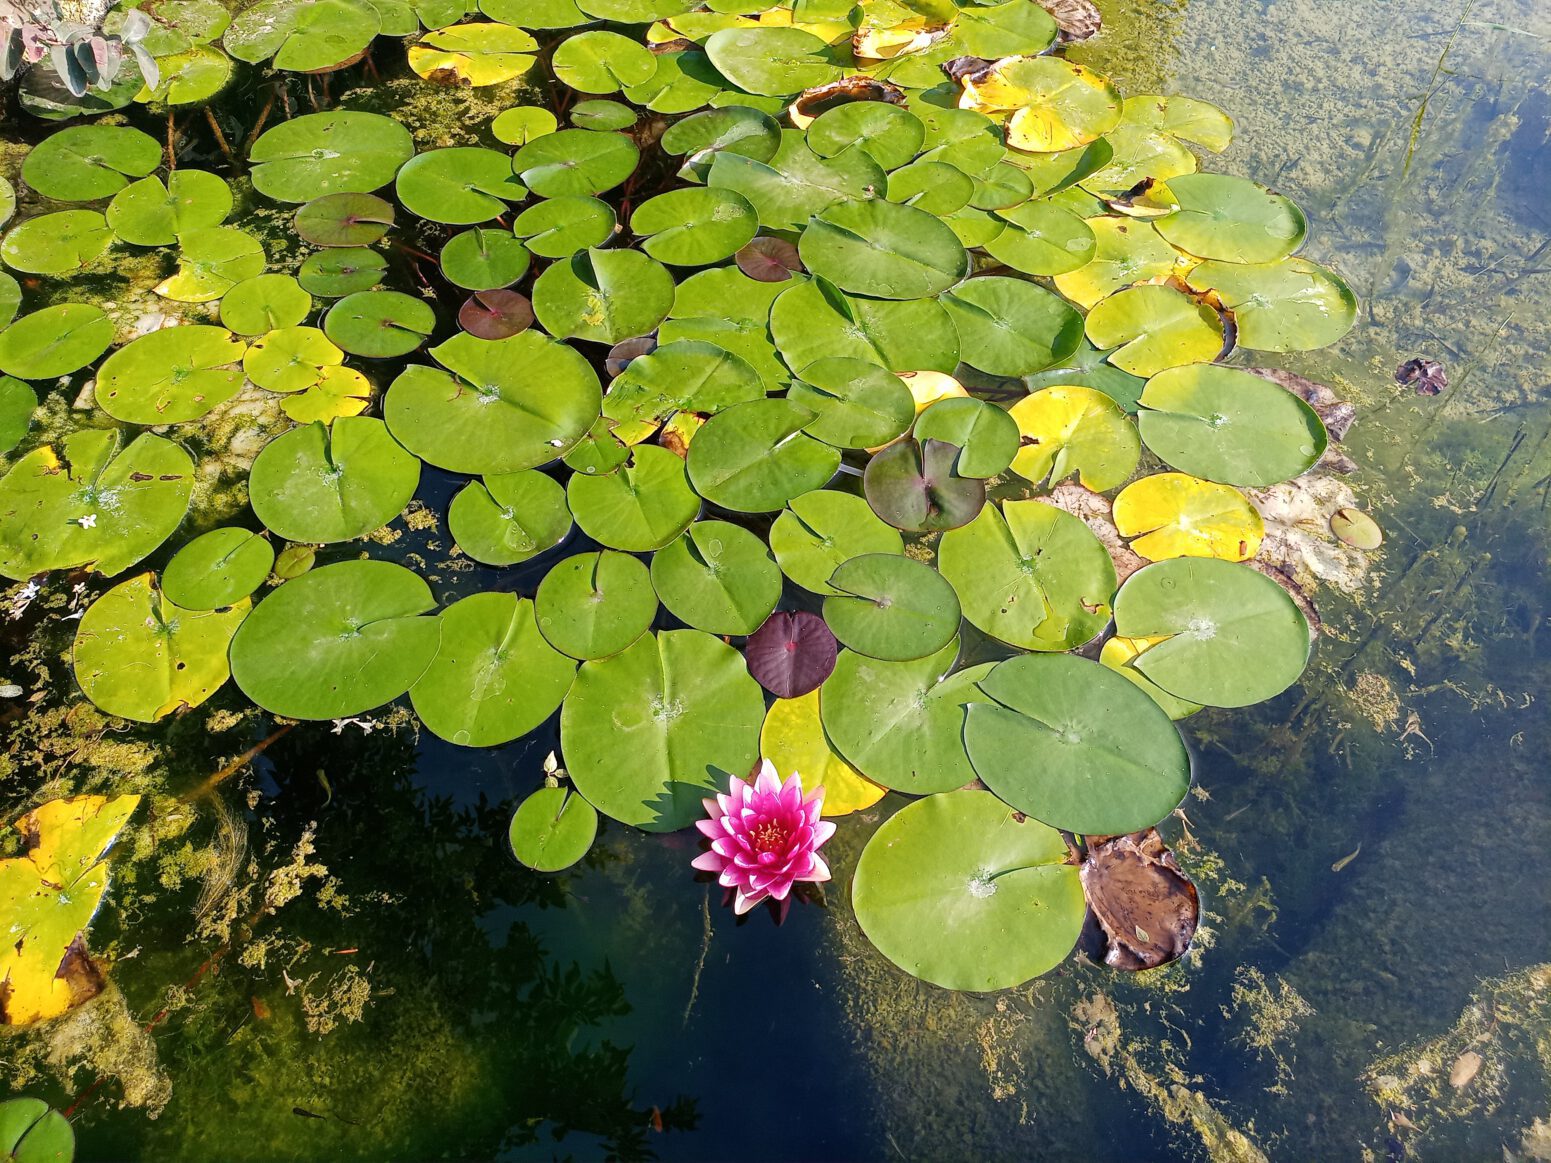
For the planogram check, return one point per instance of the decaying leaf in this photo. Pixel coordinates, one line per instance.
(1078, 19)
(48, 896)
(1425, 375)
(1465, 1068)
(823, 98)
(1146, 907)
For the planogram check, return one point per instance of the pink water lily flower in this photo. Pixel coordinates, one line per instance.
(765, 837)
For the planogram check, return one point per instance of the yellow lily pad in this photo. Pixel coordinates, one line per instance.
(1126, 252)
(48, 896)
(1172, 514)
(1155, 328)
(477, 54)
(1050, 104)
(339, 391)
(1071, 428)
(793, 739)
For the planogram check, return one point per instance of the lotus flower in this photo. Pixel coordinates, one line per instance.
(765, 837)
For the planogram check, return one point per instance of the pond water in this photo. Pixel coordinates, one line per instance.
(1371, 846)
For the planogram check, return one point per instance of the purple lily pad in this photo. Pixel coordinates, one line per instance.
(791, 654)
(769, 260)
(495, 314)
(915, 485)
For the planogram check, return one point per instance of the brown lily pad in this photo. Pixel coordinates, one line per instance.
(823, 98)
(1147, 909)
(1425, 375)
(1077, 19)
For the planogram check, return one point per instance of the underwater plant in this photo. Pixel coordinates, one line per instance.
(764, 837)
(873, 356)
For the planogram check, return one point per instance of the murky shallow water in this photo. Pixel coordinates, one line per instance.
(424, 997)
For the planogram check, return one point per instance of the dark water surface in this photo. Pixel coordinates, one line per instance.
(481, 1012)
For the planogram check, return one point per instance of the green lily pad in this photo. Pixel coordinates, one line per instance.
(56, 244)
(484, 260)
(814, 321)
(1009, 327)
(558, 227)
(932, 893)
(694, 227)
(640, 506)
(509, 517)
(7, 200)
(1232, 636)
(211, 261)
(603, 295)
(1069, 429)
(737, 129)
(649, 733)
(17, 404)
(218, 568)
(1087, 367)
(935, 187)
(891, 136)
(1291, 305)
(172, 375)
(82, 163)
(754, 458)
(883, 249)
(339, 152)
(1231, 219)
(303, 36)
(593, 605)
(986, 436)
(552, 829)
(1227, 425)
(572, 162)
(55, 341)
(10, 298)
(794, 184)
(684, 375)
(717, 577)
(521, 125)
(344, 219)
(772, 62)
(460, 186)
(680, 82)
(322, 484)
(1030, 575)
(600, 451)
(503, 405)
(139, 656)
(1075, 745)
(379, 324)
(597, 114)
(337, 641)
(901, 724)
(333, 274)
(820, 530)
(891, 607)
(635, 11)
(915, 485)
(190, 78)
(29, 1131)
(290, 359)
(856, 404)
(153, 213)
(92, 506)
(1043, 239)
(1152, 328)
(602, 62)
(494, 677)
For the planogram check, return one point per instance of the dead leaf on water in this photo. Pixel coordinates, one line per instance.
(1466, 1067)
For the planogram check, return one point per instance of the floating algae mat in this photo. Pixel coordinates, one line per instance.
(503, 483)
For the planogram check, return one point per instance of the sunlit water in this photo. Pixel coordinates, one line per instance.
(620, 1008)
